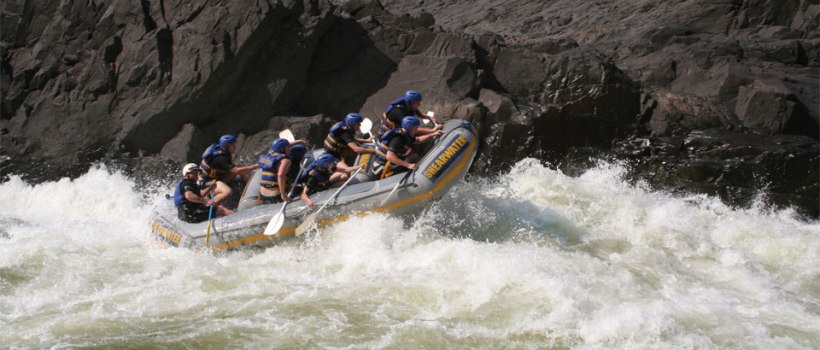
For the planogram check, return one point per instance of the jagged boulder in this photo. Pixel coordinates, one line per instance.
(126, 77)
(561, 81)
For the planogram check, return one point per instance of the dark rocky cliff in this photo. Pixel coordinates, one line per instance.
(721, 98)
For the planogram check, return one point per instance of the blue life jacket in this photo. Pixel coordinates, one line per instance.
(383, 145)
(269, 164)
(207, 157)
(319, 172)
(399, 103)
(179, 196)
(332, 141)
(294, 168)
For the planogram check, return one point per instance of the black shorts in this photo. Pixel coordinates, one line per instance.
(193, 213)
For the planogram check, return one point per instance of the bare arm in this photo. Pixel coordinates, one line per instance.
(300, 142)
(241, 170)
(192, 197)
(205, 192)
(347, 169)
(282, 177)
(425, 138)
(393, 158)
(355, 147)
(305, 197)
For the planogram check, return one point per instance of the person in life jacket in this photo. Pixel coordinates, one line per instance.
(217, 167)
(404, 106)
(296, 153)
(191, 200)
(278, 169)
(394, 150)
(341, 142)
(275, 166)
(322, 174)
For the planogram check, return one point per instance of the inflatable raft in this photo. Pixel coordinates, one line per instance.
(444, 163)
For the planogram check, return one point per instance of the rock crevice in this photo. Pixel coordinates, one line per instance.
(699, 96)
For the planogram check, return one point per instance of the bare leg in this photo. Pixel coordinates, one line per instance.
(338, 177)
(222, 192)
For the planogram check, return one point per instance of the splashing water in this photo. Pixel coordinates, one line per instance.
(532, 259)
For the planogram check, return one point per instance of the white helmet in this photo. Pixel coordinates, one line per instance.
(189, 168)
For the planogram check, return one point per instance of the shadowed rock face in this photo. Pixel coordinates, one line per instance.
(720, 98)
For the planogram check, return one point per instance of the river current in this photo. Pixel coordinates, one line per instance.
(530, 259)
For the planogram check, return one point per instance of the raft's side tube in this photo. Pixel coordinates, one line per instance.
(438, 170)
(251, 196)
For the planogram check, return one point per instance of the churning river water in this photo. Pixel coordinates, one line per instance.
(530, 259)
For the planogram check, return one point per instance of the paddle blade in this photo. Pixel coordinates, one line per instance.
(431, 117)
(287, 135)
(389, 195)
(305, 225)
(275, 224)
(366, 126)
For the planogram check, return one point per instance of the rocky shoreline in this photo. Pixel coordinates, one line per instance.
(697, 96)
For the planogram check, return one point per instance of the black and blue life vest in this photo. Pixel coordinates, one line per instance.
(383, 145)
(207, 157)
(321, 173)
(332, 141)
(179, 196)
(269, 164)
(386, 124)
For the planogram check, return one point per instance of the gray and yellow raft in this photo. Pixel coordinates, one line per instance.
(444, 164)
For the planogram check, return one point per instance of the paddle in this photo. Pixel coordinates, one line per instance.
(287, 135)
(210, 218)
(309, 221)
(431, 117)
(366, 126)
(384, 201)
(276, 222)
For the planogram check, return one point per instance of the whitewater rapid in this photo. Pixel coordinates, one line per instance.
(531, 259)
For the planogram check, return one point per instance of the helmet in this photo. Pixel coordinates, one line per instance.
(412, 96)
(189, 168)
(325, 160)
(279, 145)
(226, 140)
(353, 119)
(409, 122)
(297, 151)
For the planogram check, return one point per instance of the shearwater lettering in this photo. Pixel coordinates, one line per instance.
(445, 158)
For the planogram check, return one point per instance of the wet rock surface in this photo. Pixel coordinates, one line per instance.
(717, 98)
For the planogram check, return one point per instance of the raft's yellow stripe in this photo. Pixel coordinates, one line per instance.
(254, 238)
(292, 229)
(445, 180)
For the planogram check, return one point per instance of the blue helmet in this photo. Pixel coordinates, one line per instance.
(279, 145)
(297, 151)
(353, 119)
(409, 122)
(226, 140)
(412, 96)
(325, 160)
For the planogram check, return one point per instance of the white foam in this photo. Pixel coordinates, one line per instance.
(530, 259)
